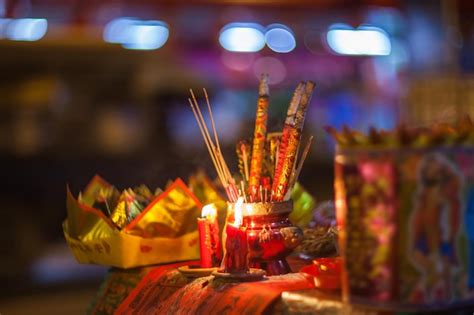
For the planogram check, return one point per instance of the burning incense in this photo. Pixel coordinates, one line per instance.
(274, 158)
(289, 125)
(258, 148)
(281, 180)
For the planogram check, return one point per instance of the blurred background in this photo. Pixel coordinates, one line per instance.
(101, 87)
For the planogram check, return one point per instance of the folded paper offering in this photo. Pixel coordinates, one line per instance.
(460, 133)
(134, 227)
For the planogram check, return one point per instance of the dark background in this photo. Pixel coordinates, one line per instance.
(72, 105)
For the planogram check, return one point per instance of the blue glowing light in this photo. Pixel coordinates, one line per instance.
(280, 38)
(115, 31)
(3, 26)
(242, 37)
(136, 34)
(151, 35)
(365, 40)
(26, 29)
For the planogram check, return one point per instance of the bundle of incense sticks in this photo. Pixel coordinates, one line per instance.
(273, 158)
(214, 148)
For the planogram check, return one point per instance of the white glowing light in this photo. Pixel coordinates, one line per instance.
(26, 29)
(146, 36)
(365, 40)
(242, 37)
(280, 38)
(238, 212)
(136, 34)
(209, 211)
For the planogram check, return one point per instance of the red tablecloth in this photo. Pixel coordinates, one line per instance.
(166, 291)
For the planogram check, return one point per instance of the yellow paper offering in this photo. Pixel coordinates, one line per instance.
(164, 231)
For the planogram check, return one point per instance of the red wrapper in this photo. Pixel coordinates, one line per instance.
(289, 124)
(209, 242)
(260, 134)
(236, 250)
(280, 183)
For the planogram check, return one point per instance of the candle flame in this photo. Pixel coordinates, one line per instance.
(209, 211)
(248, 209)
(238, 212)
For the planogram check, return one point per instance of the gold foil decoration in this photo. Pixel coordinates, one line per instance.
(94, 187)
(461, 132)
(119, 216)
(172, 214)
(144, 192)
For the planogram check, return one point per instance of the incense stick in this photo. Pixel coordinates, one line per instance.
(214, 129)
(213, 124)
(208, 141)
(246, 165)
(211, 153)
(230, 179)
(214, 149)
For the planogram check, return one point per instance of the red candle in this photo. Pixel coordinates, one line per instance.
(209, 241)
(236, 247)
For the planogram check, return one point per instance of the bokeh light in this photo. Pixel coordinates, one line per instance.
(365, 40)
(275, 69)
(115, 31)
(242, 37)
(236, 61)
(136, 34)
(26, 29)
(280, 38)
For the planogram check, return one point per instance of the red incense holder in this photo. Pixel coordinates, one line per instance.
(270, 235)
